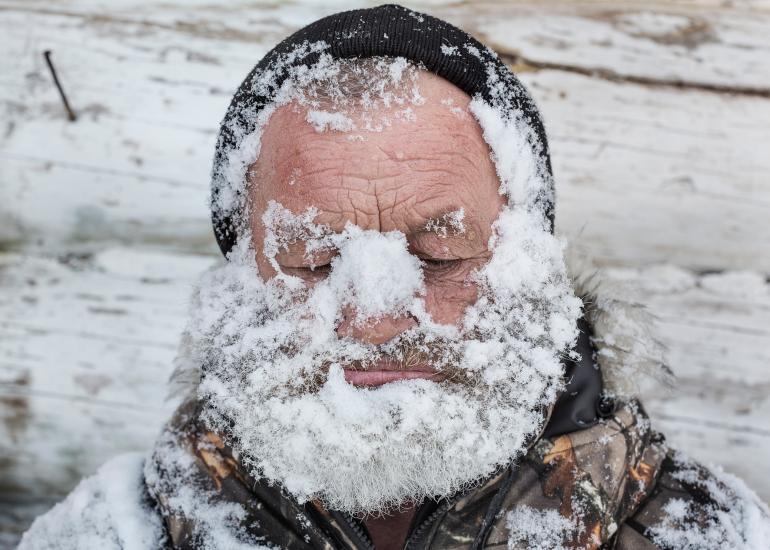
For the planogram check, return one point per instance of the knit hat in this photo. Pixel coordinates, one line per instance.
(390, 31)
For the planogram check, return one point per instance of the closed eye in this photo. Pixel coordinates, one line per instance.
(310, 273)
(439, 265)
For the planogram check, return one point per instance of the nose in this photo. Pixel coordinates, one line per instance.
(373, 331)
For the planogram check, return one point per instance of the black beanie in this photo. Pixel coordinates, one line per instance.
(388, 30)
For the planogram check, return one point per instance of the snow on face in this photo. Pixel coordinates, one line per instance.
(449, 222)
(356, 96)
(274, 360)
(274, 366)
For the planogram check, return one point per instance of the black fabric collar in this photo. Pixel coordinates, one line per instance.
(583, 402)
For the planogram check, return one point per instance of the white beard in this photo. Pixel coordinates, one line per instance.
(273, 383)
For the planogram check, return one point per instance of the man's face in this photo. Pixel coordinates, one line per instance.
(389, 327)
(413, 177)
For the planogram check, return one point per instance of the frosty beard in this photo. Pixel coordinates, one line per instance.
(273, 383)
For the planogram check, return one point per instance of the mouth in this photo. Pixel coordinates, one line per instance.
(385, 370)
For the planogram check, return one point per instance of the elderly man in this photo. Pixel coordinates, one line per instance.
(393, 354)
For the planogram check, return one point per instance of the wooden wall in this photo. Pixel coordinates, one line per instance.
(659, 119)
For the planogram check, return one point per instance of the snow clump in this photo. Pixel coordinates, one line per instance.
(109, 511)
(736, 518)
(541, 529)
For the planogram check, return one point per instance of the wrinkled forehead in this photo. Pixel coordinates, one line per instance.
(389, 167)
(393, 132)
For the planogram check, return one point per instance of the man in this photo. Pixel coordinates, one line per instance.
(393, 355)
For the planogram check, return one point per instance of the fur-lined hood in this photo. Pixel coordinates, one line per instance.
(630, 356)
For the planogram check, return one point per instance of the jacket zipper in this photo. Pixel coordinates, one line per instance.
(365, 543)
(364, 540)
(419, 531)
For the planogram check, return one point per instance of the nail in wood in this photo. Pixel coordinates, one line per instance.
(70, 113)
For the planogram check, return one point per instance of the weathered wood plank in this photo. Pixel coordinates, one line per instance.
(717, 331)
(645, 174)
(86, 344)
(60, 204)
(711, 48)
(648, 175)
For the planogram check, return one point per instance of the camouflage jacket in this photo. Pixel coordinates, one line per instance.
(599, 477)
(614, 485)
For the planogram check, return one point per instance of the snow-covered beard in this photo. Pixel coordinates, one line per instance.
(273, 382)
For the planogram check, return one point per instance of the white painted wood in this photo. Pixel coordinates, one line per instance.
(710, 46)
(649, 175)
(716, 328)
(645, 174)
(86, 346)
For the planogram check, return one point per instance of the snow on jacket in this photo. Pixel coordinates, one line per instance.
(613, 485)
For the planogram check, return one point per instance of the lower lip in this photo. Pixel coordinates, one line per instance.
(379, 377)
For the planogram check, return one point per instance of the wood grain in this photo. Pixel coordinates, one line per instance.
(646, 173)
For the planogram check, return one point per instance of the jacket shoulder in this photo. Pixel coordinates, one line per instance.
(109, 510)
(694, 507)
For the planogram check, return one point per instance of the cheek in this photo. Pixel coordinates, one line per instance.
(446, 301)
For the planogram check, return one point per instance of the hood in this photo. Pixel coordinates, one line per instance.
(630, 357)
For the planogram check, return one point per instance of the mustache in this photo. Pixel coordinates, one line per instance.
(411, 354)
(403, 355)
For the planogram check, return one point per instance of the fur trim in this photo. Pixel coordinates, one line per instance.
(186, 376)
(631, 358)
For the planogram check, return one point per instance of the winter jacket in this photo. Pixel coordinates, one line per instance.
(614, 485)
(591, 481)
